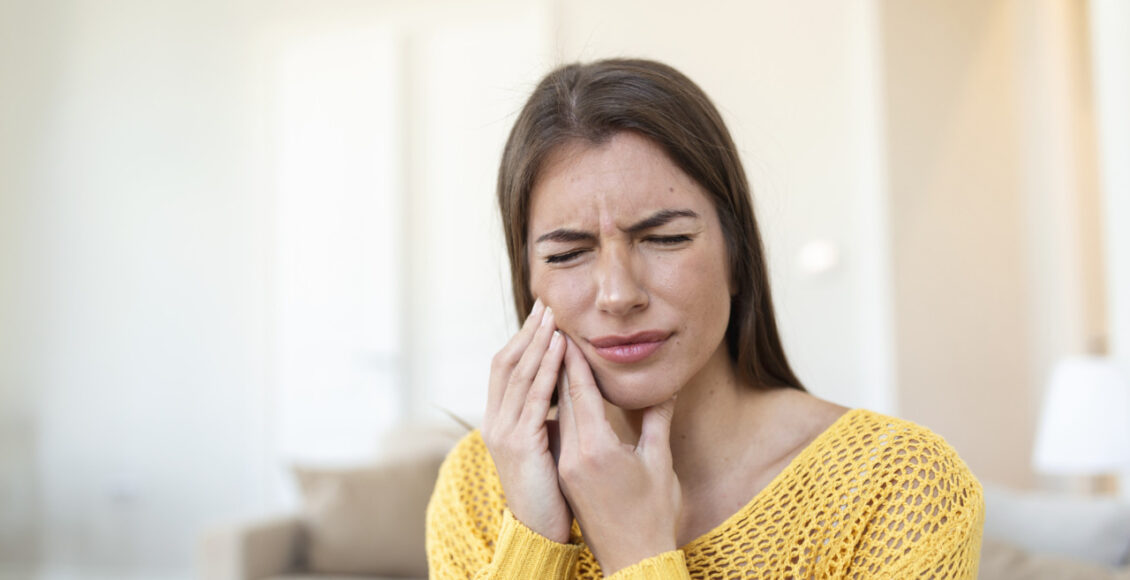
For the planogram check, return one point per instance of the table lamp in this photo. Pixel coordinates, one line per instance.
(1084, 428)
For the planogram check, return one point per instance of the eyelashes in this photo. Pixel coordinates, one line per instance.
(566, 257)
(668, 240)
(561, 258)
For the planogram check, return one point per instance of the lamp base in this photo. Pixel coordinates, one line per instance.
(1095, 485)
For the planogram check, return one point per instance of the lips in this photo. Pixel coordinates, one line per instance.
(630, 348)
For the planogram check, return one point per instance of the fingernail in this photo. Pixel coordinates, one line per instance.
(534, 309)
(556, 340)
(547, 316)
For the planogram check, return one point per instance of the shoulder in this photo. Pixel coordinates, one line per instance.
(920, 507)
(920, 482)
(925, 498)
(896, 463)
(898, 446)
(468, 460)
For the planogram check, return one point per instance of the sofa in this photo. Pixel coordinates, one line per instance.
(1042, 535)
(367, 522)
(364, 522)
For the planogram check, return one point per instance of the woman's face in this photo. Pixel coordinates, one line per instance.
(628, 252)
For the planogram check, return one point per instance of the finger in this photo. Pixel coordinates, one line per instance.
(524, 373)
(655, 432)
(537, 401)
(508, 356)
(565, 423)
(586, 404)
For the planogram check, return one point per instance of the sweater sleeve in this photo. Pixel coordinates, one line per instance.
(472, 536)
(666, 566)
(929, 521)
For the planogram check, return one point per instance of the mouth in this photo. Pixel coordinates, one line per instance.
(630, 348)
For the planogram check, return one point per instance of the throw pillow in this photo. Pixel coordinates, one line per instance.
(368, 520)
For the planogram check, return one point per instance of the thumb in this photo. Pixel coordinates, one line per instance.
(655, 431)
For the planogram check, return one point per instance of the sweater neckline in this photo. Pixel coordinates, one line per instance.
(813, 447)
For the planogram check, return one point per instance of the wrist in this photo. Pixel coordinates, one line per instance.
(554, 531)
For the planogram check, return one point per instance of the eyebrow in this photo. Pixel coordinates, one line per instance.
(656, 219)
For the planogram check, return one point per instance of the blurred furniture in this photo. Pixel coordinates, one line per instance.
(1084, 428)
(361, 523)
(1054, 536)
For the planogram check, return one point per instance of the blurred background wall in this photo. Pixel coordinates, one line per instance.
(236, 236)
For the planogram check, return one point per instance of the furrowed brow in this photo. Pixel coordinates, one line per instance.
(660, 218)
(566, 236)
(657, 219)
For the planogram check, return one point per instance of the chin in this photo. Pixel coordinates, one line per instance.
(634, 393)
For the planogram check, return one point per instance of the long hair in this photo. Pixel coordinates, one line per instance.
(591, 103)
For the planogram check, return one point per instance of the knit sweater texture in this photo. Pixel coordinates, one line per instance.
(871, 497)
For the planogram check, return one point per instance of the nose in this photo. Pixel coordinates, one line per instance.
(619, 289)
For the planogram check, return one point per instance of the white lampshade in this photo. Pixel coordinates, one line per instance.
(1084, 427)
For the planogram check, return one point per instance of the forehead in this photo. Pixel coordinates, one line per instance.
(610, 184)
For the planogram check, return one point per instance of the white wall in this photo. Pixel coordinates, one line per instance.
(389, 276)
(140, 256)
(175, 229)
(1110, 47)
(958, 226)
(27, 84)
(458, 275)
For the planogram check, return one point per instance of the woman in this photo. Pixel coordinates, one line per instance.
(682, 444)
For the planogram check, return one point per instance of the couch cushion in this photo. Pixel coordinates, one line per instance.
(1002, 561)
(1090, 529)
(368, 520)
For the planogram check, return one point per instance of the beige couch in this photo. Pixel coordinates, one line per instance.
(365, 522)
(368, 523)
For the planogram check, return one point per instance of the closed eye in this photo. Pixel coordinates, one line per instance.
(565, 257)
(562, 258)
(668, 240)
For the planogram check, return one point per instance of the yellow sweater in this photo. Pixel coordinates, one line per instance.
(871, 497)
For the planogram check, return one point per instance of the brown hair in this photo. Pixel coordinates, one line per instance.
(591, 103)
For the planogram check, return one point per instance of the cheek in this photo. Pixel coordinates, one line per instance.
(698, 284)
(667, 275)
(565, 291)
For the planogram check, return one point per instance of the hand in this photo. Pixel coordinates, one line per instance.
(627, 499)
(522, 378)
